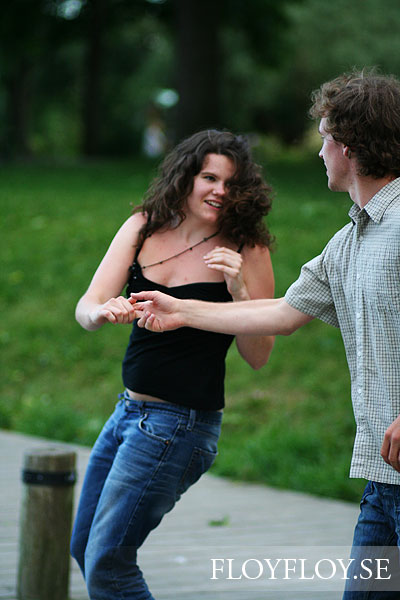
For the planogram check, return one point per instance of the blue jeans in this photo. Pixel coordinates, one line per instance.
(376, 541)
(146, 456)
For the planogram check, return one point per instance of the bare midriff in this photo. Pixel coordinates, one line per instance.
(146, 398)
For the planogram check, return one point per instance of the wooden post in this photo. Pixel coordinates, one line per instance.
(45, 524)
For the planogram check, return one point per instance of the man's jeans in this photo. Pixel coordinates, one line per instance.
(376, 541)
(147, 455)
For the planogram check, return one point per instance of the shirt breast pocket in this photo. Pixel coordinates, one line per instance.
(382, 282)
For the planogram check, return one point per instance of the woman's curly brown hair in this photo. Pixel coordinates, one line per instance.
(247, 200)
(362, 111)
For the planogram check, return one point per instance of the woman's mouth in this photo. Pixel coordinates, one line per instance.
(214, 203)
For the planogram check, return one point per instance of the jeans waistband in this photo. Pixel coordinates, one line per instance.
(193, 414)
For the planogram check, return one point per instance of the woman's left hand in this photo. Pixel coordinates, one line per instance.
(229, 263)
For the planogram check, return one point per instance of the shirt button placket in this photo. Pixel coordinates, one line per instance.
(359, 323)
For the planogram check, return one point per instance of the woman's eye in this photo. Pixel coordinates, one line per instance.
(209, 177)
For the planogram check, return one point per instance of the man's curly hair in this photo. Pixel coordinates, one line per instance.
(247, 199)
(362, 111)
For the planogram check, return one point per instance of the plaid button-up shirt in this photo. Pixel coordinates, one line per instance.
(355, 285)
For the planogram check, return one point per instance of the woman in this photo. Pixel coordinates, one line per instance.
(199, 234)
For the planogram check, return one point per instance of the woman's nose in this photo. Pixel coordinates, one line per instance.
(219, 189)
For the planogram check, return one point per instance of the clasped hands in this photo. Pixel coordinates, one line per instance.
(141, 306)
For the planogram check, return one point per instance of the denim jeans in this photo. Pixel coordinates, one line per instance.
(146, 456)
(376, 542)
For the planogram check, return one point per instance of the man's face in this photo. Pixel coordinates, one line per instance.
(336, 163)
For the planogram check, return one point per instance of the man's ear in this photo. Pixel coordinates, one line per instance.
(347, 152)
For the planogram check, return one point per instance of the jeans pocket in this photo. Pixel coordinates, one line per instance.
(200, 461)
(368, 490)
(162, 430)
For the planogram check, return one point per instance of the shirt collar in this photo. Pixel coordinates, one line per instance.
(376, 207)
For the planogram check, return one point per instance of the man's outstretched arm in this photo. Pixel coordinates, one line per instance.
(160, 312)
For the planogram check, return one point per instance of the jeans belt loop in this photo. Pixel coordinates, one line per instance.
(192, 419)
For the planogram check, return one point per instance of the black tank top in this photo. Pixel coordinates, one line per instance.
(185, 366)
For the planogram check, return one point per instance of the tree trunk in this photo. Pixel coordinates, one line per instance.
(19, 94)
(92, 93)
(198, 62)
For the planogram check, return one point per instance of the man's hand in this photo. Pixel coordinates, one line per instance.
(390, 450)
(156, 311)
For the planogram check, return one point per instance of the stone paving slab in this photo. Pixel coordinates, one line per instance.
(216, 519)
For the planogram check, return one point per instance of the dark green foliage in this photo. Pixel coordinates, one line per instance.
(88, 82)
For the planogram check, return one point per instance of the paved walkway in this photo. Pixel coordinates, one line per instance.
(216, 519)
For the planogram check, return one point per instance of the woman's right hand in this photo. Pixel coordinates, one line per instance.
(102, 302)
(115, 310)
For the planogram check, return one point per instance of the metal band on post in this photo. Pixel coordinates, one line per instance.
(51, 479)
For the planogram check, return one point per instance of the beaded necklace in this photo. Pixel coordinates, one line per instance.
(160, 262)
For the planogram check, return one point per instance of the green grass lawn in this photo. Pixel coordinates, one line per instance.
(289, 425)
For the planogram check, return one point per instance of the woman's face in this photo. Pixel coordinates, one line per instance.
(209, 187)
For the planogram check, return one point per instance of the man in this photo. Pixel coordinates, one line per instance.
(354, 285)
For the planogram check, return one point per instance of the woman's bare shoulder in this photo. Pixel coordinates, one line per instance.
(127, 234)
(256, 253)
(135, 221)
